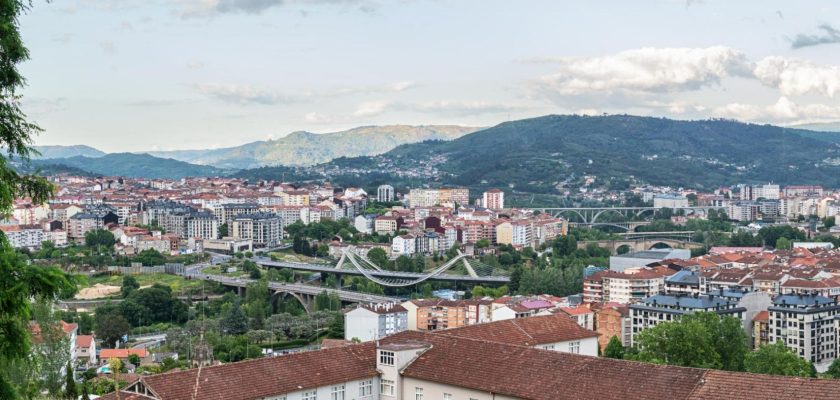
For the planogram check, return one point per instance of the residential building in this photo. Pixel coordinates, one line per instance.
(86, 350)
(228, 211)
(612, 319)
(24, 236)
(493, 199)
(669, 201)
(403, 245)
(805, 324)
(385, 193)
(642, 258)
(435, 314)
(670, 307)
(761, 329)
(374, 321)
(265, 230)
(631, 286)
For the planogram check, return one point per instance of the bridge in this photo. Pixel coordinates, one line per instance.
(590, 215)
(305, 294)
(640, 241)
(629, 226)
(352, 263)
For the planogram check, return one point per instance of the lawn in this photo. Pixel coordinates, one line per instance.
(177, 283)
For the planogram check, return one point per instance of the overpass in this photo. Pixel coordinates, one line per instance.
(305, 294)
(590, 215)
(360, 266)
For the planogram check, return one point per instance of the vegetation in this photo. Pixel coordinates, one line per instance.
(135, 166)
(777, 359)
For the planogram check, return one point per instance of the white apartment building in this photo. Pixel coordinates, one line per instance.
(374, 321)
(263, 229)
(493, 199)
(806, 325)
(403, 245)
(24, 236)
(667, 307)
(669, 201)
(385, 193)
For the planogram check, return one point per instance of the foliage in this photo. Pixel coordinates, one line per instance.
(783, 243)
(327, 301)
(110, 324)
(323, 230)
(771, 234)
(833, 370)
(479, 291)
(129, 285)
(777, 359)
(70, 390)
(703, 340)
(150, 257)
(234, 322)
(99, 238)
(378, 256)
(614, 348)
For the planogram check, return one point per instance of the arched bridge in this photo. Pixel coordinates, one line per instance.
(640, 241)
(590, 215)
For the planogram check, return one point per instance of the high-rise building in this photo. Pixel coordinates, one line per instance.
(264, 229)
(805, 324)
(494, 199)
(385, 193)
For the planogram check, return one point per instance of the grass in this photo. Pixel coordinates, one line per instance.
(177, 283)
(292, 257)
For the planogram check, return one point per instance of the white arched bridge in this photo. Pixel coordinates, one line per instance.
(351, 263)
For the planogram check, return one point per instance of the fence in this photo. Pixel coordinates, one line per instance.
(169, 268)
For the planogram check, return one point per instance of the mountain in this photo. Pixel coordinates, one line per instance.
(539, 155)
(67, 151)
(133, 165)
(820, 126)
(305, 148)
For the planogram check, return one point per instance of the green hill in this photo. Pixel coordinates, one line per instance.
(537, 155)
(133, 166)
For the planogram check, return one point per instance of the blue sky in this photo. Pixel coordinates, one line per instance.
(126, 75)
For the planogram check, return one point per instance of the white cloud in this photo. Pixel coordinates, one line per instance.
(783, 111)
(243, 94)
(400, 86)
(647, 70)
(463, 108)
(208, 8)
(370, 108)
(797, 77)
(317, 118)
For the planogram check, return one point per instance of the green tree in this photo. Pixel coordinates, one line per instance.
(378, 256)
(482, 243)
(777, 359)
(70, 390)
(234, 322)
(783, 243)
(614, 348)
(833, 370)
(99, 238)
(150, 257)
(129, 284)
(134, 359)
(223, 230)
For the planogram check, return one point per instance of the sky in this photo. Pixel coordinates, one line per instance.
(126, 75)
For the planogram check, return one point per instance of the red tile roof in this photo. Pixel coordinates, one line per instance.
(84, 340)
(121, 353)
(529, 331)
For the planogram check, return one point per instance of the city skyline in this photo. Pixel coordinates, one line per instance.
(187, 75)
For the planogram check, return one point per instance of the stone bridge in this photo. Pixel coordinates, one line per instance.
(641, 244)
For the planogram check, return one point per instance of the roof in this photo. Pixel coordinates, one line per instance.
(802, 300)
(121, 353)
(763, 315)
(84, 340)
(530, 331)
(698, 302)
(684, 277)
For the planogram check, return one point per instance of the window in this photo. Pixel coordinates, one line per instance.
(418, 393)
(337, 392)
(365, 388)
(311, 395)
(386, 357)
(574, 347)
(387, 387)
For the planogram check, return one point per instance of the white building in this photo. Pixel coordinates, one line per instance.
(264, 229)
(403, 245)
(805, 324)
(669, 201)
(385, 193)
(493, 199)
(375, 321)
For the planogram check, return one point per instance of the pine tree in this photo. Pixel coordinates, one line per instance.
(70, 390)
(614, 349)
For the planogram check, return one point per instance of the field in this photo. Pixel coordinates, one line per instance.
(177, 283)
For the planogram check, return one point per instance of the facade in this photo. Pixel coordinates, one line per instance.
(226, 212)
(642, 258)
(631, 286)
(263, 229)
(374, 321)
(613, 319)
(805, 324)
(86, 350)
(435, 314)
(385, 193)
(669, 201)
(493, 199)
(24, 236)
(403, 245)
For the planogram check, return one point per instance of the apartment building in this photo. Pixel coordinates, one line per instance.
(493, 199)
(435, 314)
(806, 325)
(374, 321)
(24, 236)
(228, 211)
(385, 193)
(263, 229)
(631, 286)
(670, 307)
(612, 319)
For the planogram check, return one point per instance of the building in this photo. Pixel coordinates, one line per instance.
(761, 329)
(226, 212)
(805, 324)
(265, 230)
(364, 223)
(669, 201)
(768, 192)
(374, 321)
(631, 286)
(686, 282)
(403, 245)
(83, 222)
(670, 307)
(435, 314)
(24, 236)
(612, 319)
(386, 224)
(385, 193)
(493, 199)
(86, 350)
(122, 354)
(429, 366)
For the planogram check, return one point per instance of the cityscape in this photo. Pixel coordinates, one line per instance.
(632, 221)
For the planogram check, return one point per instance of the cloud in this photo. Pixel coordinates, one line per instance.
(243, 94)
(646, 70)
(195, 65)
(463, 108)
(317, 118)
(798, 77)
(40, 107)
(207, 8)
(108, 47)
(404, 85)
(370, 108)
(828, 35)
(784, 110)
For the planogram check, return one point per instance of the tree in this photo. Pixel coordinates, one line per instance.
(234, 322)
(614, 348)
(833, 370)
(829, 222)
(53, 349)
(99, 238)
(783, 243)
(70, 390)
(134, 359)
(223, 230)
(129, 284)
(777, 359)
(702, 340)
(150, 257)
(111, 326)
(378, 256)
